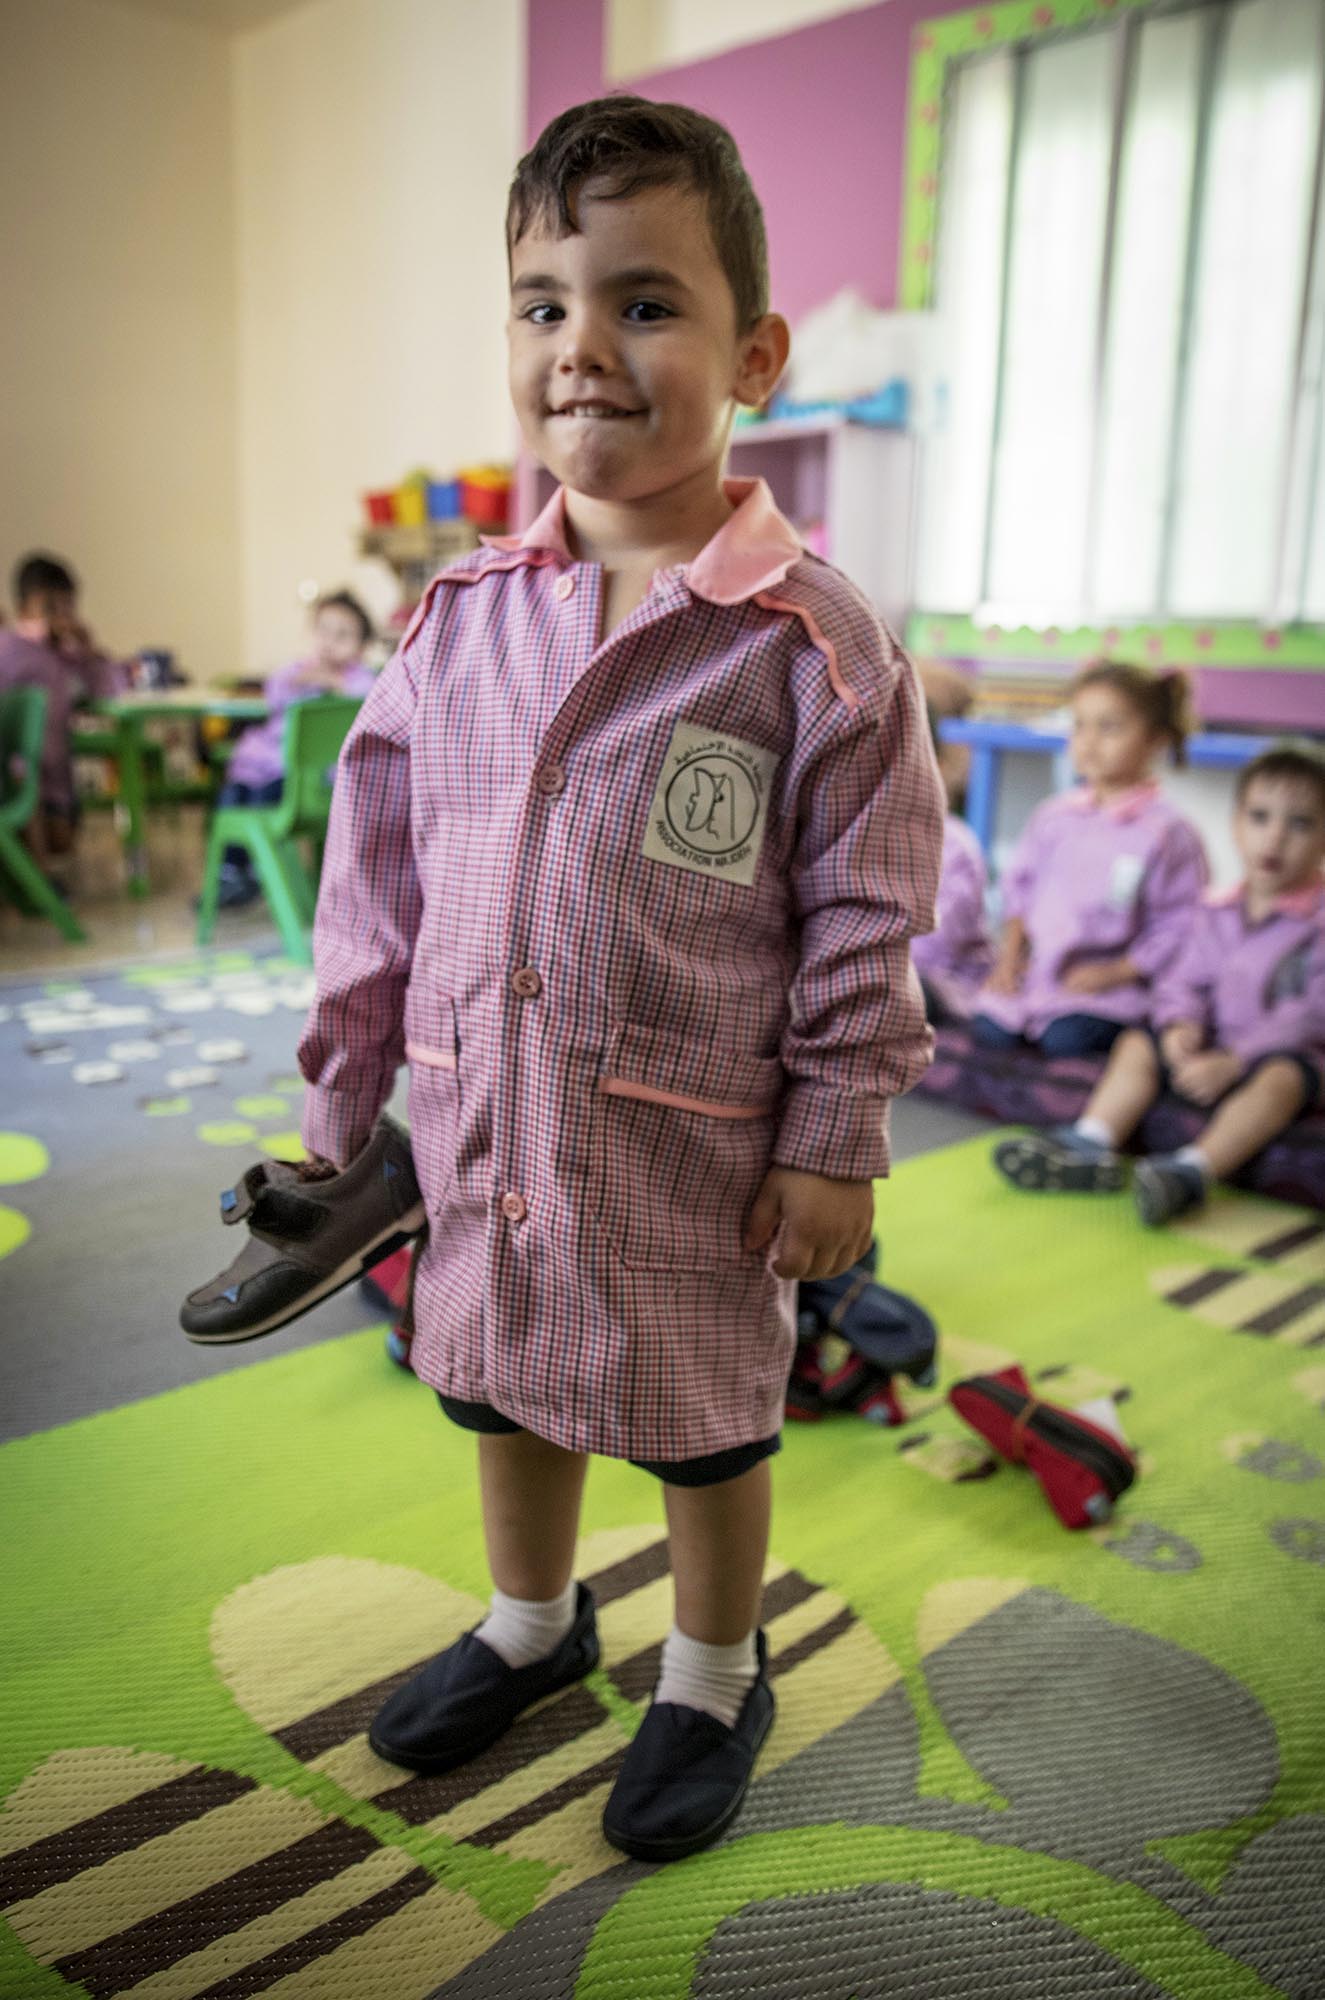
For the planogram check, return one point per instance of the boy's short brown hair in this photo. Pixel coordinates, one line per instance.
(629, 143)
(1302, 762)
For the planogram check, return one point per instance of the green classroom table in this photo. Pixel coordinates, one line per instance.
(127, 715)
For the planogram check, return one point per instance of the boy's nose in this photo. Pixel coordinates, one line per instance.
(585, 348)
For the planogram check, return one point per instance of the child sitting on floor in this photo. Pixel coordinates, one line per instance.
(256, 772)
(1237, 1023)
(955, 958)
(1104, 881)
(49, 647)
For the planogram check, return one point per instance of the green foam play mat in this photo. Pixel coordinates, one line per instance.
(1008, 1759)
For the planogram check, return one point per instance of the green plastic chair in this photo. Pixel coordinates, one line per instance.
(314, 732)
(22, 727)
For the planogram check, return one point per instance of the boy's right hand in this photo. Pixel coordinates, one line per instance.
(1007, 976)
(1179, 1040)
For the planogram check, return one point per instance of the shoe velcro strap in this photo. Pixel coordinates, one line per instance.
(270, 1210)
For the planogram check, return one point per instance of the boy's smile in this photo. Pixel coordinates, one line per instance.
(626, 364)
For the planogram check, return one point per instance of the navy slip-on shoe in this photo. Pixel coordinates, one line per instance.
(685, 1775)
(461, 1702)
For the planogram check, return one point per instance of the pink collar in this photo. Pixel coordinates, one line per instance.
(751, 551)
(1127, 806)
(1303, 902)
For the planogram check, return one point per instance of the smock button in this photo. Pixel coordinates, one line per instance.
(526, 983)
(563, 587)
(514, 1207)
(551, 780)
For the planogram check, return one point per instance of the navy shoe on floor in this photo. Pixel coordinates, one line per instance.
(461, 1702)
(685, 1775)
(1163, 1187)
(1059, 1161)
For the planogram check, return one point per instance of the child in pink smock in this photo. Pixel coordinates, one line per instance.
(954, 960)
(1237, 1022)
(626, 852)
(255, 775)
(49, 647)
(1102, 887)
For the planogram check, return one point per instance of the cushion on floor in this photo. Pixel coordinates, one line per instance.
(1021, 1087)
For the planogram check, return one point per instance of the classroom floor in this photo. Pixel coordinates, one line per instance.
(1007, 1758)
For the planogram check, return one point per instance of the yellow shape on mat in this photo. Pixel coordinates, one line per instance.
(283, 1145)
(15, 1229)
(227, 1132)
(21, 1158)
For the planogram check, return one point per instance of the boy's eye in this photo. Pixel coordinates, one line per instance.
(542, 313)
(641, 312)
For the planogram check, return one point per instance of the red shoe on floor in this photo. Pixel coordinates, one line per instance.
(1082, 1468)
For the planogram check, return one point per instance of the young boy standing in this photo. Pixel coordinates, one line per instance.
(626, 849)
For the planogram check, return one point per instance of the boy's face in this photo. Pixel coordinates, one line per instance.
(1279, 829)
(337, 637)
(625, 360)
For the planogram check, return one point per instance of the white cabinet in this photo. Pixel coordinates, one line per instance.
(848, 488)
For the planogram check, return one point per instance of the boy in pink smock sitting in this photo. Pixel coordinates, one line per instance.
(255, 775)
(1101, 889)
(954, 960)
(626, 851)
(49, 647)
(1237, 1024)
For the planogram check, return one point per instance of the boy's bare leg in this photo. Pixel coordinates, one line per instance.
(1128, 1087)
(719, 1542)
(1253, 1115)
(531, 1512)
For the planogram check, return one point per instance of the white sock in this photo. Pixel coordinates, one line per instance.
(1096, 1131)
(1192, 1156)
(521, 1630)
(714, 1678)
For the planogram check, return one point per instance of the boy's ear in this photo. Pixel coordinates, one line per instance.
(762, 357)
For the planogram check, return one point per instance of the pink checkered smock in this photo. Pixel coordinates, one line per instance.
(637, 913)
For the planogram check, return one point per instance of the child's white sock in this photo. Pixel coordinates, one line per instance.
(1192, 1156)
(714, 1678)
(521, 1630)
(1096, 1131)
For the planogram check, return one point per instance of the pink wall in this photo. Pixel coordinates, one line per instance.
(819, 116)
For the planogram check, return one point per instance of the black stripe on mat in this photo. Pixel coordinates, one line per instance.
(1285, 1312)
(1204, 1287)
(547, 1803)
(188, 1926)
(99, 1838)
(1275, 1247)
(263, 1974)
(636, 1676)
(543, 1729)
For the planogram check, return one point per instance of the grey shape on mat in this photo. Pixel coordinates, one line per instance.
(1102, 1737)
(897, 1941)
(1304, 1539)
(1270, 1910)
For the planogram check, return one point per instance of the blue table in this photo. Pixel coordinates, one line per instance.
(988, 742)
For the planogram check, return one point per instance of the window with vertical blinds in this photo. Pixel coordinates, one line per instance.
(1130, 288)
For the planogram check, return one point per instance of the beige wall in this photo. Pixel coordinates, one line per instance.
(117, 338)
(375, 143)
(646, 35)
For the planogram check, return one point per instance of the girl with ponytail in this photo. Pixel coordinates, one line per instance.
(1105, 880)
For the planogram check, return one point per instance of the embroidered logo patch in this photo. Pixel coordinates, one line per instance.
(710, 805)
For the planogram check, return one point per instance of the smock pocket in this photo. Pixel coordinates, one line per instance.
(434, 1092)
(680, 1139)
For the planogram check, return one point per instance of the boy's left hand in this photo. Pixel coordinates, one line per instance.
(1097, 975)
(825, 1225)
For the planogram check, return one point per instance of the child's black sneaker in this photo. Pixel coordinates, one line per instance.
(1164, 1186)
(464, 1699)
(306, 1238)
(1060, 1161)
